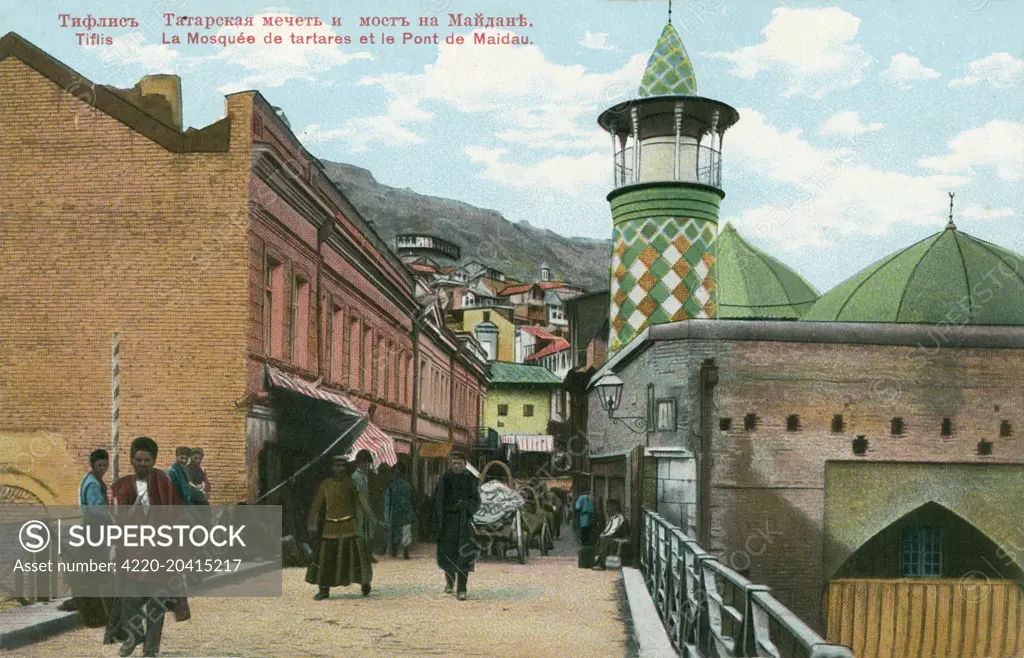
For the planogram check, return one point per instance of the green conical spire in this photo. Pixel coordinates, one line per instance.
(669, 70)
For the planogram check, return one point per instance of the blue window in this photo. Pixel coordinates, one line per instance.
(920, 552)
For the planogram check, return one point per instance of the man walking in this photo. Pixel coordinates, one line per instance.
(361, 476)
(147, 486)
(457, 499)
(340, 557)
(398, 512)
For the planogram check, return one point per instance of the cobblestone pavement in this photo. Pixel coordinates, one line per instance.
(546, 607)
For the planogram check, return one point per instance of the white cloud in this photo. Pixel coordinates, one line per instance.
(596, 41)
(998, 144)
(271, 66)
(561, 173)
(812, 49)
(986, 212)
(827, 191)
(536, 103)
(847, 124)
(904, 69)
(130, 49)
(998, 69)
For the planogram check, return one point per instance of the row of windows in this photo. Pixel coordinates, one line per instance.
(357, 356)
(897, 426)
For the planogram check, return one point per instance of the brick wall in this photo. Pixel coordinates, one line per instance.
(768, 484)
(104, 230)
(773, 475)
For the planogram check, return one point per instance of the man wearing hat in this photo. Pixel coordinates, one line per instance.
(457, 500)
(340, 557)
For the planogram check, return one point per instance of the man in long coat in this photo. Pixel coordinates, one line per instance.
(145, 487)
(399, 513)
(457, 499)
(341, 556)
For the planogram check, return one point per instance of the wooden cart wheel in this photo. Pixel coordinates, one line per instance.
(544, 534)
(522, 544)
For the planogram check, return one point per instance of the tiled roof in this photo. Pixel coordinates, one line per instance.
(539, 332)
(554, 347)
(669, 70)
(515, 289)
(501, 372)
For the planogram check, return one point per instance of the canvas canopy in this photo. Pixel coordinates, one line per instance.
(497, 502)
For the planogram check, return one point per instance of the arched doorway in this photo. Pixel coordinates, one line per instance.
(14, 593)
(928, 584)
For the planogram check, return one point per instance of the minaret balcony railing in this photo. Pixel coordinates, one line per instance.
(695, 164)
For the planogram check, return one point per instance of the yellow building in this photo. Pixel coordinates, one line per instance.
(492, 327)
(519, 399)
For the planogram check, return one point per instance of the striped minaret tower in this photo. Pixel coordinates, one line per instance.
(667, 169)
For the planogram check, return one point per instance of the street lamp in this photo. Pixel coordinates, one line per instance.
(609, 388)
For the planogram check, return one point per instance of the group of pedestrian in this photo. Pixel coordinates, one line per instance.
(135, 619)
(343, 524)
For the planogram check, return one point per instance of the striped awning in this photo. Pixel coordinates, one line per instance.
(380, 445)
(530, 442)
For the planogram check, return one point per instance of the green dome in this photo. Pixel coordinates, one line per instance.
(669, 71)
(949, 277)
(754, 286)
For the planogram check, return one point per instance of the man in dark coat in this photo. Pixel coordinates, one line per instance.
(456, 499)
(399, 512)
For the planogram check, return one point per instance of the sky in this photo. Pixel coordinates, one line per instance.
(856, 118)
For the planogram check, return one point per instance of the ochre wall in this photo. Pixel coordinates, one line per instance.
(506, 331)
(861, 499)
(515, 422)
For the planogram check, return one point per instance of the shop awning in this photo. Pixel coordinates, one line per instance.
(435, 449)
(403, 447)
(380, 445)
(530, 442)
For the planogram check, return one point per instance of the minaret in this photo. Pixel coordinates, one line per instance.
(666, 146)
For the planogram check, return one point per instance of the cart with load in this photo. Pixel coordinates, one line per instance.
(498, 523)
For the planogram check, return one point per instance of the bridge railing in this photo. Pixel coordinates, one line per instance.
(710, 610)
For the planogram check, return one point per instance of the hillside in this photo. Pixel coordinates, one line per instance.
(484, 235)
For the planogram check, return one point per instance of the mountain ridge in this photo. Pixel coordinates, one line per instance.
(516, 248)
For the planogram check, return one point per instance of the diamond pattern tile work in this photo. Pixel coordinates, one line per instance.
(663, 270)
(669, 70)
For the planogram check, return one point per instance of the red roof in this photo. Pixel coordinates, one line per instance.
(422, 268)
(515, 289)
(538, 332)
(554, 347)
